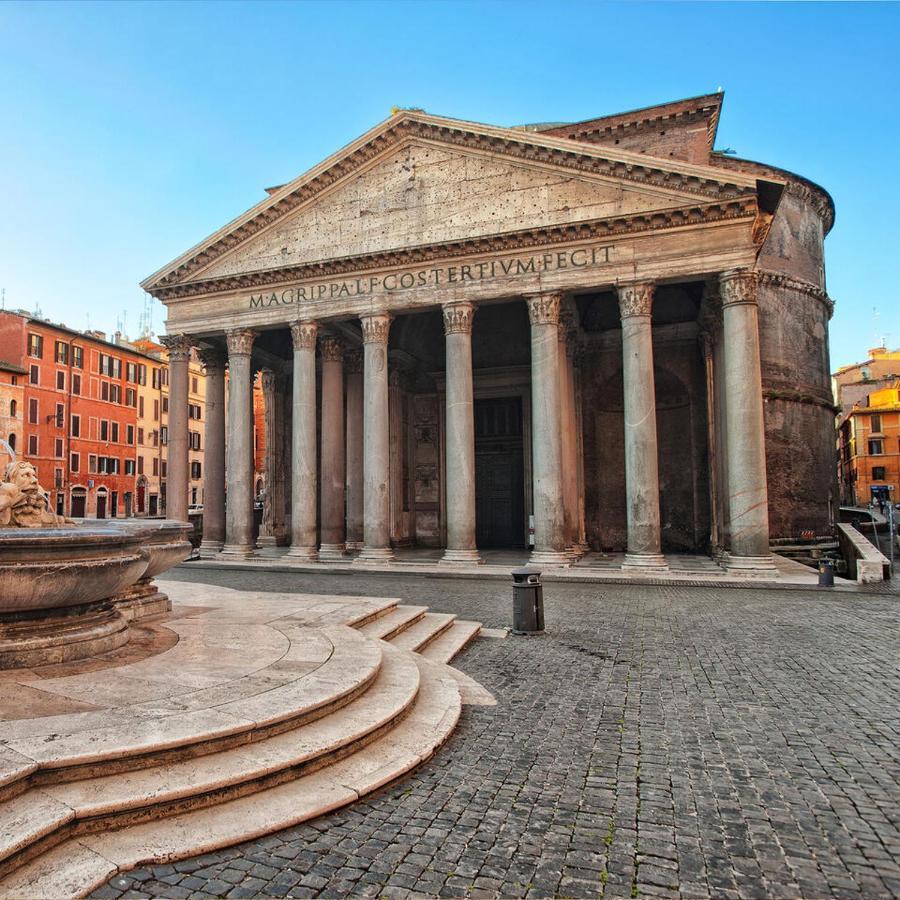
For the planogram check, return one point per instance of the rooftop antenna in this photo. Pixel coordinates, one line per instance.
(2, 298)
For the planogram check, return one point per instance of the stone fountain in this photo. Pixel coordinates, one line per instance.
(69, 590)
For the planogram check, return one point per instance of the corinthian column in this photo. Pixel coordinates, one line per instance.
(549, 518)
(748, 502)
(179, 347)
(239, 446)
(303, 450)
(641, 452)
(568, 429)
(267, 527)
(214, 454)
(376, 441)
(354, 361)
(460, 430)
(333, 474)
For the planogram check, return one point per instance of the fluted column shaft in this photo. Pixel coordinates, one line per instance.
(239, 446)
(177, 471)
(460, 435)
(333, 533)
(376, 440)
(267, 528)
(214, 454)
(355, 491)
(748, 502)
(549, 517)
(304, 474)
(641, 451)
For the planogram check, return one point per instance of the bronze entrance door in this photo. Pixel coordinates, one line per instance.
(499, 473)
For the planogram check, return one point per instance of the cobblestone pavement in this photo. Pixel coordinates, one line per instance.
(656, 741)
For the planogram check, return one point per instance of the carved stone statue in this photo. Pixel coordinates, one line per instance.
(23, 503)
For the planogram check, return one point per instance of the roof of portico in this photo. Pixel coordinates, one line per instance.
(697, 185)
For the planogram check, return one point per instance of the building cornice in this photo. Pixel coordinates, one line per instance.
(699, 181)
(788, 282)
(592, 229)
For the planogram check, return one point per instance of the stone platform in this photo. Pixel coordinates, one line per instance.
(233, 716)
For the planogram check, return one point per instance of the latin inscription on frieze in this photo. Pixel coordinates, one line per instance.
(440, 276)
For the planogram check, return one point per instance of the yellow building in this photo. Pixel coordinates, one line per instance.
(12, 381)
(869, 447)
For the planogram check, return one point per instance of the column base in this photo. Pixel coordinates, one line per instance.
(237, 551)
(332, 551)
(461, 557)
(750, 566)
(267, 540)
(354, 545)
(376, 555)
(653, 561)
(549, 558)
(307, 554)
(209, 549)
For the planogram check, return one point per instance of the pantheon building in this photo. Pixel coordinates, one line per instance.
(602, 336)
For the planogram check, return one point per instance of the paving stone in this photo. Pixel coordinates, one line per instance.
(725, 742)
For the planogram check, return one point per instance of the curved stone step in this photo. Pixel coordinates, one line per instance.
(397, 620)
(451, 642)
(86, 861)
(423, 631)
(207, 720)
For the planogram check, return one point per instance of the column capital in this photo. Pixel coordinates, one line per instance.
(304, 334)
(267, 381)
(375, 327)
(212, 359)
(353, 360)
(240, 341)
(458, 317)
(178, 345)
(331, 348)
(635, 299)
(738, 287)
(543, 309)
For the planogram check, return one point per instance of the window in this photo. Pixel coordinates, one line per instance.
(140, 436)
(164, 435)
(92, 463)
(101, 464)
(165, 467)
(876, 447)
(195, 471)
(76, 426)
(875, 422)
(104, 391)
(61, 352)
(156, 410)
(76, 384)
(34, 375)
(60, 415)
(58, 478)
(194, 386)
(58, 448)
(75, 462)
(194, 411)
(142, 373)
(877, 473)
(32, 411)
(114, 432)
(155, 379)
(78, 357)
(60, 381)
(130, 397)
(164, 377)
(32, 445)
(104, 429)
(141, 406)
(155, 437)
(129, 467)
(13, 408)
(129, 434)
(115, 393)
(165, 404)
(131, 372)
(195, 440)
(140, 464)
(36, 346)
(11, 440)
(155, 465)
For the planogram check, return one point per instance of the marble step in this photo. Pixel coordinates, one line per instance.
(387, 626)
(210, 779)
(207, 721)
(85, 861)
(423, 631)
(451, 641)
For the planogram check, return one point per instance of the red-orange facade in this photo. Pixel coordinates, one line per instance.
(80, 413)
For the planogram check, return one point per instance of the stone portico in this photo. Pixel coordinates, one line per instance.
(475, 337)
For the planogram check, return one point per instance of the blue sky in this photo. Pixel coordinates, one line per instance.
(131, 131)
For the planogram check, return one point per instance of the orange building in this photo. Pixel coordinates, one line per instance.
(80, 413)
(869, 448)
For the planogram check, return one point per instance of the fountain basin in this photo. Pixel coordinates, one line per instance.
(55, 585)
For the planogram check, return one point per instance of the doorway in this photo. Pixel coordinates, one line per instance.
(78, 503)
(101, 506)
(499, 473)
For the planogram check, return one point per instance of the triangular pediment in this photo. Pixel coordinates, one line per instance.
(417, 181)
